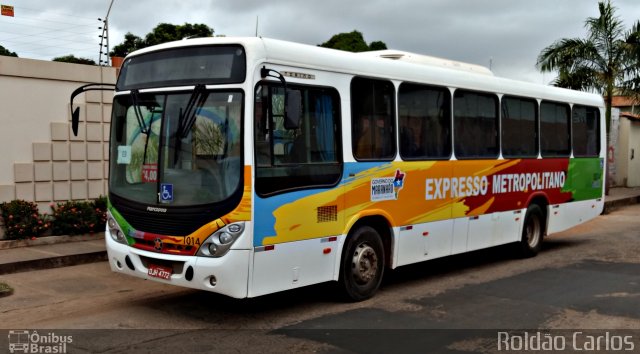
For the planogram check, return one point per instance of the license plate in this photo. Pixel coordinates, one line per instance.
(161, 272)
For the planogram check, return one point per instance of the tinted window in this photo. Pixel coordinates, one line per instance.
(586, 131)
(425, 122)
(519, 127)
(475, 117)
(184, 66)
(372, 106)
(304, 156)
(554, 129)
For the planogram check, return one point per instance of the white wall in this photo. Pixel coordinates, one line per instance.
(40, 159)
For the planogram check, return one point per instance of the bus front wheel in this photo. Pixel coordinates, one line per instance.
(362, 264)
(532, 231)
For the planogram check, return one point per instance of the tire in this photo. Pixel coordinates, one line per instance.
(532, 232)
(362, 264)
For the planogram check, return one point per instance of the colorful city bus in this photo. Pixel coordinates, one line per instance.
(248, 166)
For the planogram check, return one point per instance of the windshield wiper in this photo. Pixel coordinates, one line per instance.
(136, 109)
(188, 116)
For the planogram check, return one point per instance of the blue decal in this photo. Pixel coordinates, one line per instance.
(166, 193)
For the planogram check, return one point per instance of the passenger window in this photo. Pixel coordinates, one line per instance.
(555, 136)
(304, 156)
(475, 120)
(373, 117)
(519, 127)
(586, 131)
(425, 122)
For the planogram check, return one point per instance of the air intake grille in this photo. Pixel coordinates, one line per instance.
(327, 213)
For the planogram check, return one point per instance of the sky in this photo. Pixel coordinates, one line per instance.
(505, 35)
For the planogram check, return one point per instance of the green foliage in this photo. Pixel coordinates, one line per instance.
(352, 42)
(607, 58)
(131, 43)
(162, 33)
(73, 59)
(5, 289)
(6, 52)
(75, 218)
(22, 220)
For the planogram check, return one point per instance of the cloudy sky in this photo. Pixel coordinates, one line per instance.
(506, 34)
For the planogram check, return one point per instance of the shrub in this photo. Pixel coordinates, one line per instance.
(22, 219)
(74, 218)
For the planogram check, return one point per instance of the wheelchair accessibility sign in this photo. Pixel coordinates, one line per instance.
(166, 193)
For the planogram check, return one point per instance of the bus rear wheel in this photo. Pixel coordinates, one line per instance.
(362, 264)
(532, 232)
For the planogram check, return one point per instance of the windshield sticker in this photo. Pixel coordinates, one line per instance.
(124, 154)
(230, 99)
(166, 193)
(387, 188)
(150, 172)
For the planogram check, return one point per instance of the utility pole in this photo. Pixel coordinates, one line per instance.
(104, 37)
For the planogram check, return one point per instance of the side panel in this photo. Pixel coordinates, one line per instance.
(565, 216)
(293, 264)
(424, 241)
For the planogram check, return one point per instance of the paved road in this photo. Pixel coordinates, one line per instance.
(585, 278)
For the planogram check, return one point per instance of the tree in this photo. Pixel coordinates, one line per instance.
(166, 32)
(130, 44)
(352, 42)
(162, 33)
(6, 52)
(73, 59)
(602, 62)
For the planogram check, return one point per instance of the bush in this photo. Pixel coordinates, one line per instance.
(22, 219)
(74, 218)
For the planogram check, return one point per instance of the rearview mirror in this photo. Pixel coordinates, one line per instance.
(75, 121)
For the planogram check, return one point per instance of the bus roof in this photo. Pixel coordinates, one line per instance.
(407, 67)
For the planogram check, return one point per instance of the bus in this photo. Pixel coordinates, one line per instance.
(248, 166)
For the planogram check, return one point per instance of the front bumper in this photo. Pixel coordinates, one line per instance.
(230, 272)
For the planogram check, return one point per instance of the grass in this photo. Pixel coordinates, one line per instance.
(5, 289)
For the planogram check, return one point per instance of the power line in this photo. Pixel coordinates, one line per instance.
(54, 13)
(39, 33)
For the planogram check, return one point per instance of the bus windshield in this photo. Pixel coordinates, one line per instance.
(179, 149)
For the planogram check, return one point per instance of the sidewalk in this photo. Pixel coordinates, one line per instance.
(61, 251)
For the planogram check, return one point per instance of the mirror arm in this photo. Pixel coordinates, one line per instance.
(264, 72)
(75, 114)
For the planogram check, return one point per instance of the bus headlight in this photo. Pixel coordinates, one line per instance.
(225, 238)
(114, 230)
(219, 243)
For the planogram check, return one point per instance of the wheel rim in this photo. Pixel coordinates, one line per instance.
(364, 264)
(533, 231)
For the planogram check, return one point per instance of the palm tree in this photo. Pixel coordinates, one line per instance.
(601, 62)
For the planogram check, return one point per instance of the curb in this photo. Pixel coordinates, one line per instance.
(49, 240)
(53, 262)
(612, 205)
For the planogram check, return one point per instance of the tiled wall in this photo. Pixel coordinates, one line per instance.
(69, 167)
(40, 159)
